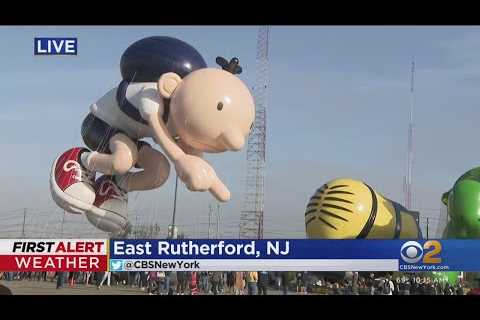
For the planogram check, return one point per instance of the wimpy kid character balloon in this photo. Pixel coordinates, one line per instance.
(167, 94)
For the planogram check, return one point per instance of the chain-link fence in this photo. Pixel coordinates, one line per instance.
(49, 223)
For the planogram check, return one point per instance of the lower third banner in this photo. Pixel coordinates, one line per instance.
(294, 255)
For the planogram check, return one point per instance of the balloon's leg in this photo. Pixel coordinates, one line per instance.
(123, 157)
(156, 170)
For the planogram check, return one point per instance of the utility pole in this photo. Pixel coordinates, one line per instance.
(174, 204)
(218, 221)
(136, 228)
(408, 177)
(63, 221)
(427, 229)
(24, 219)
(195, 230)
(209, 219)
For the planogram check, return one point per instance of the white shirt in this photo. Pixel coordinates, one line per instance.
(142, 95)
(392, 287)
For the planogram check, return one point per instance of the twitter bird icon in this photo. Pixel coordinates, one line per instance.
(116, 265)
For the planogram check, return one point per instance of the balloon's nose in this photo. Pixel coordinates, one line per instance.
(232, 140)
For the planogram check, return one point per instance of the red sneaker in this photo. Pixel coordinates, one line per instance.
(110, 209)
(71, 184)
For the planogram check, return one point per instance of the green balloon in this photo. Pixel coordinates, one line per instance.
(463, 204)
(450, 276)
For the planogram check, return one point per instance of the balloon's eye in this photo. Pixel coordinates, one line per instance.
(220, 106)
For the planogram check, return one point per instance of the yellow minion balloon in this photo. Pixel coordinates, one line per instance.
(351, 209)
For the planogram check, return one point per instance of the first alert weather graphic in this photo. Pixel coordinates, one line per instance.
(53, 255)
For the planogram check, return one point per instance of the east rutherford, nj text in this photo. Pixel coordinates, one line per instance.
(165, 248)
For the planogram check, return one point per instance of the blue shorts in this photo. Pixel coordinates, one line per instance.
(96, 134)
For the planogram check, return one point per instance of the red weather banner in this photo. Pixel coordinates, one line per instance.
(53, 255)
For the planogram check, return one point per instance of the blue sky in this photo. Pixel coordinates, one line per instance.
(338, 107)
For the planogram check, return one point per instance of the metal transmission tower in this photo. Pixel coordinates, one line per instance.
(251, 217)
(408, 177)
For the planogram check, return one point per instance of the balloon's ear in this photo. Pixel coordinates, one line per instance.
(445, 198)
(167, 83)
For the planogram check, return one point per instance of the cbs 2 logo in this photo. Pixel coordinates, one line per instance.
(413, 252)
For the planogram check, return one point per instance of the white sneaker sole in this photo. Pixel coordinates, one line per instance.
(106, 220)
(64, 200)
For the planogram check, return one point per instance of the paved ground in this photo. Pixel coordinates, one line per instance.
(49, 288)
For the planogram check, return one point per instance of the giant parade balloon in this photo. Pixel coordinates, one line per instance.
(351, 209)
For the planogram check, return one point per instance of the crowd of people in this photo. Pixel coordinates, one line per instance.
(244, 283)
(405, 285)
(160, 283)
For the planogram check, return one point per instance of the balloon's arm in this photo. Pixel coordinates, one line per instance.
(175, 153)
(190, 150)
(219, 190)
(151, 110)
(164, 138)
